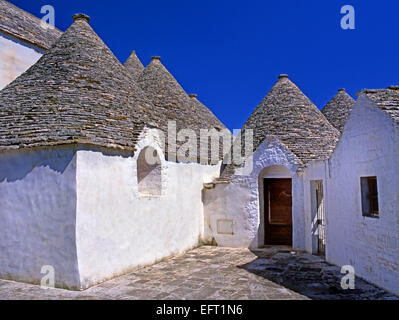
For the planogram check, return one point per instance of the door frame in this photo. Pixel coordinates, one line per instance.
(277, 171)
(318, 217)
(266, 213)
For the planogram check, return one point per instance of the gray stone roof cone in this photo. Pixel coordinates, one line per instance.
(287, 114)
(134, 65)
(173, 103)
(338, 109)
(169, 98)
(207, 117)
(78, 92)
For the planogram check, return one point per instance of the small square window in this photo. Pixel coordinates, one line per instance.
(369, 197)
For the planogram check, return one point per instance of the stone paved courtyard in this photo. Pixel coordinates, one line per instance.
(218, 273)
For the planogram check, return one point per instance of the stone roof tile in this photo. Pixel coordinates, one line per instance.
(167, 95)
(386, 99)
(287, 114)
(338, 109)
(134, 65)
(206, 116)
(22, 25)
(173, 103)
(78, 92)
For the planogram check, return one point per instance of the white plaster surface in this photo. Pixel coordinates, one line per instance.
(118, 229)
(240, 200)
(369, 147)
(80, 211)
(37, 215)
(15, 58)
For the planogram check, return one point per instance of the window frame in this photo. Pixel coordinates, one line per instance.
(369, 200)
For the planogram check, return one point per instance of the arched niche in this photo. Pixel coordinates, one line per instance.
(149, 172)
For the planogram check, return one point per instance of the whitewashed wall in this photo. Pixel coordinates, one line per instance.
(369, 146)
(119, 230)
(233, 214)
(15, 58)
(37, 215)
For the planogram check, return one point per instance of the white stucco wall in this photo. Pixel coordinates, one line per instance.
(37, 215)
(118, 229)
(237, 204)
(369, 146)
(15, 58)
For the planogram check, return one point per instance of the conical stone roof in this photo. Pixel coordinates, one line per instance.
(338, 109)
(77, 92)
(134, 65)
(208, 120)
(206, 116)
(169, 98)
(287, 114)
(172, 103)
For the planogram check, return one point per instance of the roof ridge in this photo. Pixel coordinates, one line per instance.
(25, 12)
(27, 30)
(386, 100)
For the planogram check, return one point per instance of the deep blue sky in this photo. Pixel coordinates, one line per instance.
(231, 52)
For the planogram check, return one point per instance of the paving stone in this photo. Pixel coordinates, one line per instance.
(234, 274)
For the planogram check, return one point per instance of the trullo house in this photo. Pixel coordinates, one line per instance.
(107, 167)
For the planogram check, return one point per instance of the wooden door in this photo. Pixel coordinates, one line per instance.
(278, 211)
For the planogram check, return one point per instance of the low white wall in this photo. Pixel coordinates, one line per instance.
(369, 147)
(37, 215)
(234, 208)
(15, 58)
(119, 230)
